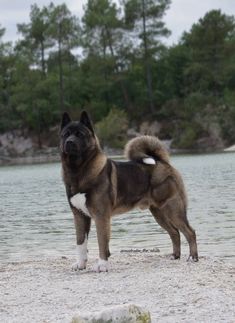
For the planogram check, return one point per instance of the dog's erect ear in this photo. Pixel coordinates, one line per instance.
(86, 121)
(65, 120)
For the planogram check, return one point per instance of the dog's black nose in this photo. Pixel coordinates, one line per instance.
(70, 147)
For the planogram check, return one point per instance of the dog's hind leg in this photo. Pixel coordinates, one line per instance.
(82, 226)
(103, 235)
(173, 232)
(190, 235)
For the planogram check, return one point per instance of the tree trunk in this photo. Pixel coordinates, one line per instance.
(106, 95)
(61, 79)
(147, 62)
(43, 59)
(122, 86)
(39, 130)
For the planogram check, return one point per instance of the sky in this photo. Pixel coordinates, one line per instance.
(180, 17)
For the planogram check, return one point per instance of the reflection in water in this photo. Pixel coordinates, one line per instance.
(35, 219)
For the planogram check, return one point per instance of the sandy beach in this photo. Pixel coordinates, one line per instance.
(173, 291)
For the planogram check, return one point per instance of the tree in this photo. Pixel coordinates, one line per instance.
(101, 28)
(8, 116)
(102, 41)
(64, 32)
(35, 34)
(211, 46)
(32, 52)
(188, 87)
(144, 17)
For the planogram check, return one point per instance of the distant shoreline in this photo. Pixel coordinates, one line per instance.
(29, 160)
(44, 157)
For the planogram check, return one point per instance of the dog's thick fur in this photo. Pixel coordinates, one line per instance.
(109, 187)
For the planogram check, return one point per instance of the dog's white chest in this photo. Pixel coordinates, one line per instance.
(79, 202)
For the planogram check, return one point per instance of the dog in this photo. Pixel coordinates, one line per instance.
(98, 188)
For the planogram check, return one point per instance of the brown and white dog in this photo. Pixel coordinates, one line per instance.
(98, 188)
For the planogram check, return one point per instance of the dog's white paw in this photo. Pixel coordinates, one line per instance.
(79, 265)
(192, 259)
(101, 266)
(174, 257)
(82, 256)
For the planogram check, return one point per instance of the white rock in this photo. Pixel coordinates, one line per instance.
(231, 148)
(118, 314)
(15, 142)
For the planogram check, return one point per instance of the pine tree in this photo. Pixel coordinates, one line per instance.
(144, 20)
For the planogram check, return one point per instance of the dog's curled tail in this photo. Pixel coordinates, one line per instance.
(146, 149)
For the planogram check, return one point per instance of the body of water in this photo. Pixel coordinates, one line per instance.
(35, 219)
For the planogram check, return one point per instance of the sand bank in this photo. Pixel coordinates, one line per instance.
(173, 291)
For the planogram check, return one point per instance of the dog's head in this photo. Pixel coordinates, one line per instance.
(77, 138)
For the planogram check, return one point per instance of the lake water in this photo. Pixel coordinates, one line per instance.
(35, 219)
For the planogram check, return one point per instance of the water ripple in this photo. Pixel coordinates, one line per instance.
(35, 219)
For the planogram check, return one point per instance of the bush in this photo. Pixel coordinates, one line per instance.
(112, 129)
(186, 135)
(187, 139)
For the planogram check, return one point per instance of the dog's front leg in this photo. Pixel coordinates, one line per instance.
(103, 235)
(82, 226)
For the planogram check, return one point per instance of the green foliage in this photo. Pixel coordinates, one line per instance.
(112, 129)
(144, 20)
(35, 41)
(187, 138)
(101, 27)
(211, 46)
(189, 87)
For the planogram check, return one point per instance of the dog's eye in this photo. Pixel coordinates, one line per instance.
(79, 134)
(67, 133)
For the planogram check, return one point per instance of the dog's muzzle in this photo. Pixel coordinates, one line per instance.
(70, 147)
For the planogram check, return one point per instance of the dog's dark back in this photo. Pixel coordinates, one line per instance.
(133, 182)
